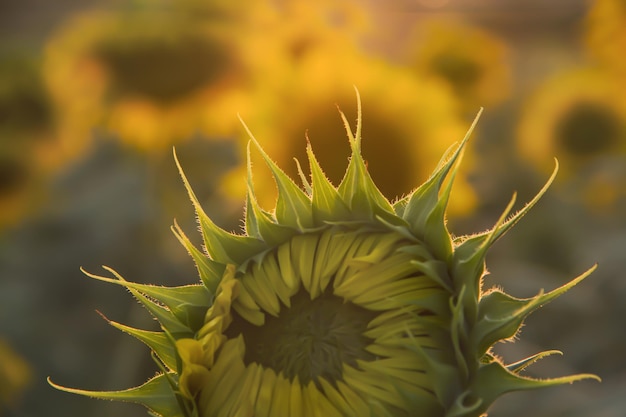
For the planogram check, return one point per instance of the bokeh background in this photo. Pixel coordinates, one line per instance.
(94, 94)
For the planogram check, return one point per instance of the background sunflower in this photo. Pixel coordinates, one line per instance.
(150, 75)
(577, 117)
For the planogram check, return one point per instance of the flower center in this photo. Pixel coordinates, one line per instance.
(588, 128)
(334, 315)
(164, 70)
(462, 73)
(310, 340)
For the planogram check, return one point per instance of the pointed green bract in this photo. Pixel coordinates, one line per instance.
(494, 380)
(293, 207)
(305, 183)
(326, 202)
(519, 366)
(263, 225)
(500, 315)
(260, 223)
(470, 253)
(458, 334)
(357, 188)
(165, 317)
(425, 207)
(156, 394)
(159, 342)
(183, 302)
(209, 270)
(221, 245)
(473, 265)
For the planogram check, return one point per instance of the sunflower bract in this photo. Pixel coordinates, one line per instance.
(337, 303)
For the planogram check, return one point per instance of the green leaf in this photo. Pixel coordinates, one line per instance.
(156, 394)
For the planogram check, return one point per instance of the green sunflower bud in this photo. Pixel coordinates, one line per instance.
(338, 303)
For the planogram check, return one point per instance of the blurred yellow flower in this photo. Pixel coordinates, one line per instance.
(605, 35)
(145, 74)
(577, 117)
(472, 61)
(414, 121)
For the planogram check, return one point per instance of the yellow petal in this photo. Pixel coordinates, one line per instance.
(267, 386)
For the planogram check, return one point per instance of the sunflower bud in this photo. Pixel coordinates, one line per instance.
(338, 303)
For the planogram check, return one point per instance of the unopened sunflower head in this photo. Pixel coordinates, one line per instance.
(337, 303)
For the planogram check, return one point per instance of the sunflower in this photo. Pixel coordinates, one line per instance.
(472, 61)
(576, 116)
(145, 74)
(418, 121)
(605, 34)
(336, 303)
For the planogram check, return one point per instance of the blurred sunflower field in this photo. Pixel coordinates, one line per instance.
(94, 95)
